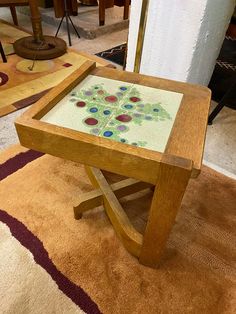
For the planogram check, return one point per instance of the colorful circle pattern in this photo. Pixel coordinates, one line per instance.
(91, 121)
(111, 98)
(108, 133)
(100, 105)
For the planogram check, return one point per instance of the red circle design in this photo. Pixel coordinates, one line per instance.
(111, 98)
(91, 121)
(3, 78)
(124, 118)
(134, 99)
(81, 104)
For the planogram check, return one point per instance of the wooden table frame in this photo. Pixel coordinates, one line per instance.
(169, 172)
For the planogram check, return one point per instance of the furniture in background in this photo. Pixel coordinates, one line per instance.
(45, 3)
(38, 46)
(228, 98)
(4, 59)
(89, 2)
(102, 7)
(68, 19)
(223, 81)
(59, 7)
(12, 4)
(152, 143)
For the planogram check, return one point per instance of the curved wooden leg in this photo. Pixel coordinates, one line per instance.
(94, 198)
(130, 237)
(172, 183)
(88, 201)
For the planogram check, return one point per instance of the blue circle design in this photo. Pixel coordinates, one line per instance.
(106, 112)
(94, 109)
(108, 133)
(155, 109)
(123, 88)
(128, 106)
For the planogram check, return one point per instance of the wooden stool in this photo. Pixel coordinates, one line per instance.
(148, 129)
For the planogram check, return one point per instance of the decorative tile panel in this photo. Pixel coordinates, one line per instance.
(129, 113)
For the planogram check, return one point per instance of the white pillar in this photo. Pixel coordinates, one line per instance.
(183, 37)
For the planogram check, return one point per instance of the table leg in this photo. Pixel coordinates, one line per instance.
(94, 198)
(108, 195)
(101, 12)
(168, 194)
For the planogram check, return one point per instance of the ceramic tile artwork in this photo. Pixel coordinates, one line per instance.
(129, 113)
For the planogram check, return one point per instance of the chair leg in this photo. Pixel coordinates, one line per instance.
(215, 112)
(101, 12)
(221, 104)
(13, 14)
(4, 59)
(126, 9)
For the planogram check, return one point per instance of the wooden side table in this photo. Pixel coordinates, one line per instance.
(148, 129)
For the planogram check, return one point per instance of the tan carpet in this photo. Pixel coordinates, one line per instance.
(197, 274)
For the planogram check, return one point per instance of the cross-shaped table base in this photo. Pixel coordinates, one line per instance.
(108, 195)
(165, 203)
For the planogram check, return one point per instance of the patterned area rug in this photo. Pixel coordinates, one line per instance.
(116, 54)
(51, 263)
(22, 85)
(222, 78)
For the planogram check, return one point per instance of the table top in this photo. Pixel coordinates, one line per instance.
(128, 113)
(119, 121)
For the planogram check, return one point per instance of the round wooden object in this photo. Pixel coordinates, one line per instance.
(49, 48)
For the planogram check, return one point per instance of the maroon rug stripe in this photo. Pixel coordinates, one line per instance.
(35, 246)
(22, 103)
(17, 162)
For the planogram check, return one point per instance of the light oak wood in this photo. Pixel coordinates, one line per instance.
(88, 201)
(94, 198)
(169, 171)
(194, 107)
(168, 194)
(82, 147)
(187, 138)
(131, 238)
